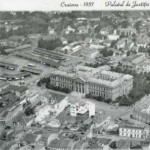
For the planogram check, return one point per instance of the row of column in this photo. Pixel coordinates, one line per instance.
(79, 87)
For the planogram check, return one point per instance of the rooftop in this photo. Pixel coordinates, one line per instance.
(6, 64)
(131, 127)
(31, 70)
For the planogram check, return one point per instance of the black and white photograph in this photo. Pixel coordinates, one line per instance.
(75, 80)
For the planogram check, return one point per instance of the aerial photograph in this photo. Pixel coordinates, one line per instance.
(75, 80)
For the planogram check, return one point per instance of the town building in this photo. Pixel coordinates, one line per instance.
(113, 37)
(127, 31)
(9, 66)
(138, 62)
(7, 116)
(133, 131)
(51, 30)
(81, 107)
(142, 115)
(125, 44)
(97, 82)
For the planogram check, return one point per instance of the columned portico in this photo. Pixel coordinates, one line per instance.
(79, 85)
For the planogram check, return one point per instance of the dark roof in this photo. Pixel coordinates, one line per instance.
(4, 114)
(131, 127)
(5, 64)
(39, 58)
(13, 76)
(31, 70)
(22, 47)
(15, 88)
(30, 138)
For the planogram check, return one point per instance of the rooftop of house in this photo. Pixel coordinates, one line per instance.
(2, 63)
(22, 119)
(131, 127)
(30, 138)
(4, 114)
(123, 41)
(135, 59)
(32, 70)
(19, 75)
(59, 143)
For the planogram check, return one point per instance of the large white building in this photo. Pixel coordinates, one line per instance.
(95, 81)
(133, 131)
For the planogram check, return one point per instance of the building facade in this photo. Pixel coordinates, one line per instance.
(133, 131)
(95, 81)
(141, 116)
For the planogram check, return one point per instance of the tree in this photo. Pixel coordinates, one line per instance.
(125, 24)
(106, 52)
(113, 145)
(128, 53)
(137, 25)
(109, 100)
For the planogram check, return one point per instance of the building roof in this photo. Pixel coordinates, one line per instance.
(86, 78)
(16, 88)
(6, 64)
(59, 143)
(31, 70)
(4, 114)
(13, 76)
(30, 138)
(131, 127)
(22, 47)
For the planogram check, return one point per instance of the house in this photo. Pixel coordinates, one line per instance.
(107, 42)
(138, 62)
(133, 131)
(88, 40)
(51, 30)
(61, 144)
(113, 37)
(125, 43)
(143, 41)
(54, 123)
(69, 30)
(142, 115)
(91, 54)
(7, 116)
(22, 120)
(64, 41)
(127, 31)
(106, 30)
(31, 138)
(83, 29)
